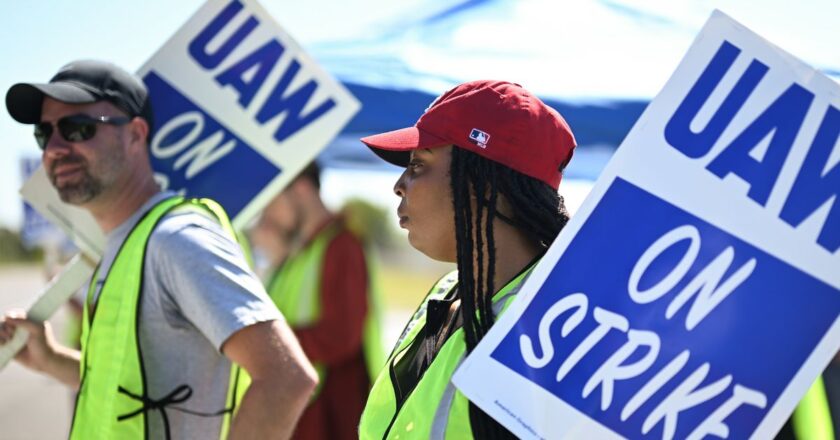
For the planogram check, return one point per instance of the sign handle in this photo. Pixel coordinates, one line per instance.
(54, 294)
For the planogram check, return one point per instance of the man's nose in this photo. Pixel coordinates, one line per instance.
(56, 146)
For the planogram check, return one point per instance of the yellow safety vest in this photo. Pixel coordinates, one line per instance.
(812, 417)
(435, 409)
(295, 289)
(112, 401)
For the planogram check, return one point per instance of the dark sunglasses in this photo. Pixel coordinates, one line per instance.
(75, 128)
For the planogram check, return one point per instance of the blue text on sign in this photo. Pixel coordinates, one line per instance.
(781, 121)
(248, 75)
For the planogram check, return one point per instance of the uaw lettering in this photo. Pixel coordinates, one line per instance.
(818, 181)
(256, 76)
(660, 324)
(248, 75)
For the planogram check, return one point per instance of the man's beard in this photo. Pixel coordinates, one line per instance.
(82, 190)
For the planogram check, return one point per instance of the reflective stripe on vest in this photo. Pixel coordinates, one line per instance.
(812, 417)
(434, 409)
(113, 400)
(296, 287)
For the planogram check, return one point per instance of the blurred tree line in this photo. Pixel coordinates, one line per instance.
(371, 223)
(12, 249)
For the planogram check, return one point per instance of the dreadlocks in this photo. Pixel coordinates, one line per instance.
(538, 211)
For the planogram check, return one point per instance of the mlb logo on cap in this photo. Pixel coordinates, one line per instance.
(479, 137)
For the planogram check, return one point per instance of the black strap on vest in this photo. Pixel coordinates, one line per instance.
(180, 394)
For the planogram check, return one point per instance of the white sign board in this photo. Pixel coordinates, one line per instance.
(697, 290)
(239, 107)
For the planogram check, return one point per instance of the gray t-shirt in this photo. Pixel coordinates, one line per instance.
(197, 292)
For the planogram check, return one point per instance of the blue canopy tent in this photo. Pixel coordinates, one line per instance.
(598, 62)
(395, 87)
(595, 124)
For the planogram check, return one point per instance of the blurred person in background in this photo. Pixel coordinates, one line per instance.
(272, 238)
(482, 169)
(325, 288)
(172, 311)
(817, 416)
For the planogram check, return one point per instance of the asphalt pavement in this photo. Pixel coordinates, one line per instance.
(32, 406)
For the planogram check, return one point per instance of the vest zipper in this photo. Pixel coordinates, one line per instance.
(396, 410)
(395, 384)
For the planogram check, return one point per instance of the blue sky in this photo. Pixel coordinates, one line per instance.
(602, 47)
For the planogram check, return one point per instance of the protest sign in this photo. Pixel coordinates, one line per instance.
(239, 107)
(697, 291)
(36, 229)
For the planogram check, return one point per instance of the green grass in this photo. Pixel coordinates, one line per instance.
(404, 288)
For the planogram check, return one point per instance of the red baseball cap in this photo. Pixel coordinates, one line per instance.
(497, 120)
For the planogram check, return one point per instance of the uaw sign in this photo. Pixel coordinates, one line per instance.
(239, 107)
(696, 293)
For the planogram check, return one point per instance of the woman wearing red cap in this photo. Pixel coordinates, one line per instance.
(483, 165)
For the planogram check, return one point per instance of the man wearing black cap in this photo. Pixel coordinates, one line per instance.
(172, 302)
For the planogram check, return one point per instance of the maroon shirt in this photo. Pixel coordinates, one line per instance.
(335, 342)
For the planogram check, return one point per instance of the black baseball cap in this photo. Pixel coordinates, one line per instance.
(82, 82)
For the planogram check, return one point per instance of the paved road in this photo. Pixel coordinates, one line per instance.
(31, 406)
(36, 407)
